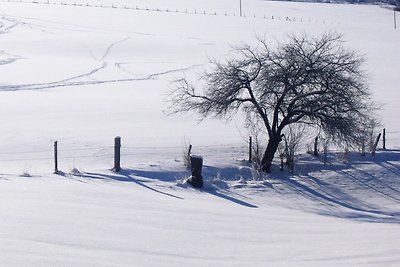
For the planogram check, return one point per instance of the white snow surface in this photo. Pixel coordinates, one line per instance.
(82, 72)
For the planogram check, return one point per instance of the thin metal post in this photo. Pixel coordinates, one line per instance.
(189, 151)
(55, 158)
(250, 147)
(376, 144)
(316, 146)
(384, 139)
(394, 18)
(117, 154)
(240, 6)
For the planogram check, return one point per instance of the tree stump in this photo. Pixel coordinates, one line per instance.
(196, 164)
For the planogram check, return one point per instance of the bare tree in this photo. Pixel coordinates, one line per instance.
(307, 80)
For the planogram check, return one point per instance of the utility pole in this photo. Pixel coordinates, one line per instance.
(240, 7)
(394, 18)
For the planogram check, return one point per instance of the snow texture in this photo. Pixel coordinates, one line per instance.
(82, 72)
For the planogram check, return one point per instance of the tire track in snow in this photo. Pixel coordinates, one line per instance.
(70, 81)
(119, 65)
(6, 58)
(104, 63)
(41, 86)
(108, 50)
(88, 74)
(152, 76)
(7, 23)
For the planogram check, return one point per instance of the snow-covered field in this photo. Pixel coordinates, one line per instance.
(83, 72)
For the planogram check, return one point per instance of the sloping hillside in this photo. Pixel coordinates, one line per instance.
(83, 72)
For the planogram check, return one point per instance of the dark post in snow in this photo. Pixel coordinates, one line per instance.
(240, 7)
(187, 157)
(316, 146)
(117, 154)
(196, 164)
(394, 18)
(384, 139)
(55, 158)
(250, 147)
(189, 151)
(376, 144)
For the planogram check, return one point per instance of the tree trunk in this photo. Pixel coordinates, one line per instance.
(269, 154)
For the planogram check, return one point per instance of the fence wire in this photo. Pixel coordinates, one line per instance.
(169, 10)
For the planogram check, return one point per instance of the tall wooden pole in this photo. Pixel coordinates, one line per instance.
(240, 7)
(394, 18)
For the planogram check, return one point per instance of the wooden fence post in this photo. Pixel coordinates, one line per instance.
(117, 154)
(316, 146)
(250, 148)
(375, 145)
(55, 157)
(384, 139)
(189, 151)
(196, 164)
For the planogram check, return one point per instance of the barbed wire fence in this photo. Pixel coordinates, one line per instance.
(42, 160)
(67, 157)
(174, 10)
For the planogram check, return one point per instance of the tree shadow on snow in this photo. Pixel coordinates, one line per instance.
(331, 201)
(351, 191)
(127, 176)
(144, 178)
(215, 191)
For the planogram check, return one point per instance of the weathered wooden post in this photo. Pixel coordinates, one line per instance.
(250, 147)
(55, 157)
(375, 145)
(117, 154)
(186, 159)
(316, 146)
(196, 164)
(189, 150)
(325, 154)
(282, 157)
(384, 139)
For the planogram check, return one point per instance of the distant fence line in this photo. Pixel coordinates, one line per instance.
(166, 10)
